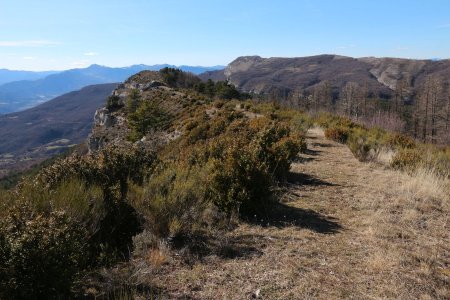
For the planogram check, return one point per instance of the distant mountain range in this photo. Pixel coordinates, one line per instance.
(22, 89)
(12, 75)
(42, 131)
(283, 75)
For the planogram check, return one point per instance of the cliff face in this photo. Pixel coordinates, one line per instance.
(388, 71)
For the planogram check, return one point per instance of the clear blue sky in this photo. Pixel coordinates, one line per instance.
(48, 34)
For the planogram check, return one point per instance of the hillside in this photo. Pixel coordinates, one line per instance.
(262, 75)
(187, 192)
(49, 128)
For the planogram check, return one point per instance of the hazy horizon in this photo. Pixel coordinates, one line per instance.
(55, 35)
(210, 66)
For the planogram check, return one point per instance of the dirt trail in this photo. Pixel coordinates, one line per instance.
(330, 240)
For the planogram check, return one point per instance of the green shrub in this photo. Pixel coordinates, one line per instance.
(173, 200)
(191, 125)
(361, 148)
(240, 181)
(327, 120)
(277, 148)
(133, 100)
(248, 160)
(178, 79)
(407, 159)
(365, 144)
(110, 168)
(113, 103)
(436, 159)
(147, 116)
(219, 103)
(111, 221)
(398, 141)
(441, 162)
(41, 254)
(337, 134)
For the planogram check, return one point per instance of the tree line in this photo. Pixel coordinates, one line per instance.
(421, 111)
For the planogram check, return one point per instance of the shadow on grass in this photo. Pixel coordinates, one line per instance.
(140, 291)
(301, 159)
(117, 285)
(198, 246)
(312, 152)
(282, 215)
(323, 145)
(305, 179)
(312, 137)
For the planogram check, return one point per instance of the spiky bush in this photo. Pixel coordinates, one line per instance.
(239, 180)
(148, 115)
(173, 200)
(337, 134)
(407, 159)
(399, 141)
(41, 253)
(365, 144)
(113, 103)
(110, 219)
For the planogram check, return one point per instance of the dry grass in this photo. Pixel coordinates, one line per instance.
(425, 188)
(384, 156)
(412, 229)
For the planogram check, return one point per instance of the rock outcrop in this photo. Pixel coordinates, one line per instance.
(111, 125)
(103, 117)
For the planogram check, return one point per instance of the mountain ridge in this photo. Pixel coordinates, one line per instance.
(262, 75)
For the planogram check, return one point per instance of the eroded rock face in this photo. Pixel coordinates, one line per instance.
(110, 126)
(95, 143)
(241, 64)
(104, 118)
(104, 121)
(144, 86)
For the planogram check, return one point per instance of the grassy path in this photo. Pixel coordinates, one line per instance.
(346, 230)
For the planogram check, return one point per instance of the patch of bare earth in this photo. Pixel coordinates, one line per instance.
(347, 230)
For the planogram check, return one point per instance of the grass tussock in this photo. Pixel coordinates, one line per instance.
(409, 226)
(426, 189)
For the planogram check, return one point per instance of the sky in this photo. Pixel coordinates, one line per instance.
(58, 35)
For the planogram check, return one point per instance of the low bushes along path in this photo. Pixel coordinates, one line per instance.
(347, 229)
